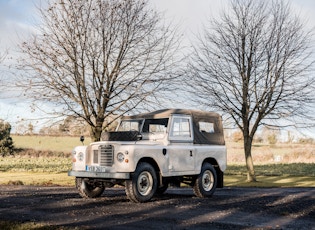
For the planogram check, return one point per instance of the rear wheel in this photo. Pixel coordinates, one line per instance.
(89, 189)
(143, 183)
(206, 182)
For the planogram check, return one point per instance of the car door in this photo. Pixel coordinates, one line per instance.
(181, 150)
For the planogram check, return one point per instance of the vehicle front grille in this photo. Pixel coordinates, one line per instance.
(106, 155)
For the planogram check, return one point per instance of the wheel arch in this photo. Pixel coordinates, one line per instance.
(152, 162)
(216, 166)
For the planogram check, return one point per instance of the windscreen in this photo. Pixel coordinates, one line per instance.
(130, 125)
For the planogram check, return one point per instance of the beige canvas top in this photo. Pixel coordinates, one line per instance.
(198, 116)
(164, 113)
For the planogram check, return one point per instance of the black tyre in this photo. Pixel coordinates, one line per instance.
(89, 189)
(143, 183)
(206, 182)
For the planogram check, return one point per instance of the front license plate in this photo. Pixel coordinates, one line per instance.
(94, 168)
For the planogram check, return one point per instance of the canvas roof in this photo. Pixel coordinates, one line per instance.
(164, 113)
(198, 116)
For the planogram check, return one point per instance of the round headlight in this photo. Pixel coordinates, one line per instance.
(120, 157)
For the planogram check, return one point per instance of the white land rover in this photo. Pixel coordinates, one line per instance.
(149, 151)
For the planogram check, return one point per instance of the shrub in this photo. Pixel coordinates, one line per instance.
(6, 142)
(306, 141)
(272, 139)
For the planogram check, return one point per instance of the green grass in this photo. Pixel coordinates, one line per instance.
(36, 179)
(37, 171)
(270, 181)
(295, 169)
(35, 164)
(48, 143)
(272, 175)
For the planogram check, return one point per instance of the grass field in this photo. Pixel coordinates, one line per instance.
(48, 143)
(46, 160)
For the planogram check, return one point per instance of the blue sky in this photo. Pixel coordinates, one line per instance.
(17, 19)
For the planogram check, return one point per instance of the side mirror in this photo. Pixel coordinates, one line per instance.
(82, 139)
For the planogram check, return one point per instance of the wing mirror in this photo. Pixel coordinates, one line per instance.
(82, 139)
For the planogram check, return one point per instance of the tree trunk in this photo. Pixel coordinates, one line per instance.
(96, 130)
(251, 177)
(96, 133)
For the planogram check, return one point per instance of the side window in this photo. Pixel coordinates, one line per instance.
(206, 127)
(181, 128)
(155, 125)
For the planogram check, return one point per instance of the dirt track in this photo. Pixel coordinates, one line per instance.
(229, 208)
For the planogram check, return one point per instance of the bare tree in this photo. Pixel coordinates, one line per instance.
(254, 64)
(3, 55)
(95, 58)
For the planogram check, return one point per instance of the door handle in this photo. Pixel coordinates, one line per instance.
(191, 153)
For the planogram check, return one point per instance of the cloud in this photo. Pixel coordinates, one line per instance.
(16, 19)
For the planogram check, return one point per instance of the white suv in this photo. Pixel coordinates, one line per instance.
(149, 151)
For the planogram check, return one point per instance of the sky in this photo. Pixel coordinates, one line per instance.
(18, 17)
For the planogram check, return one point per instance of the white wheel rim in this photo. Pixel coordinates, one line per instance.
(145, 183)
(207, 180)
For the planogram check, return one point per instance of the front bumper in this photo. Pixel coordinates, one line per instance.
(104, 175)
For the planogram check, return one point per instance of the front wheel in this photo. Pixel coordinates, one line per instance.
(206, 182)
(89, 189)
(143, 183)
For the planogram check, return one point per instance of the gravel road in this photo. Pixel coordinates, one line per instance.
(229, 208)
